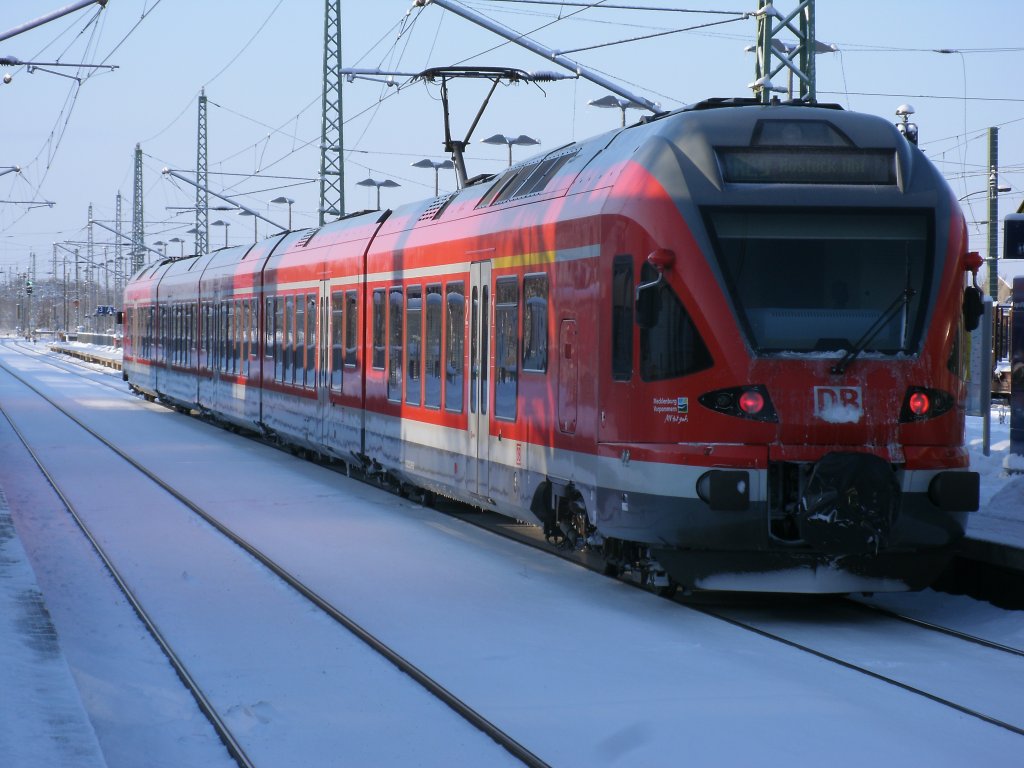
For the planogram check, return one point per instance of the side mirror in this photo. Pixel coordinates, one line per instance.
(973, 307)
(648, 298)
(119, 317)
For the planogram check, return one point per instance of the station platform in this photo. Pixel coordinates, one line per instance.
(42, 718)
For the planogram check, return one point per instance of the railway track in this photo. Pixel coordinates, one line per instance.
(778, 629)
(231, 742)
(776, 623)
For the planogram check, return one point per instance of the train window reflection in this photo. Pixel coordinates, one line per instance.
(432, 349)
(455, 346)
(506, 347)
(413, 344)
(395, 344)
(535, 323)
(671, 346)
(817, 280)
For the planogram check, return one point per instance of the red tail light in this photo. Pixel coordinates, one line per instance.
(751, 402)
(921, 403)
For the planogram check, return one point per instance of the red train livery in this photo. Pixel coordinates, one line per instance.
(721, 346)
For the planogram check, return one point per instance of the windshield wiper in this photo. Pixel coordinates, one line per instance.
(883, 319)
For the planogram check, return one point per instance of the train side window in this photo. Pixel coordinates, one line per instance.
(506, 347)
(670, 344)
(432, 349)
(208, 359)
(395, 344)
(622, 318)
(279, 338)
(351, 327)
(455, 346)
(289, 338)
(378, 328)
(299, 369)
(337, 337)
(535, 323)
(413, 345)
(312, 315)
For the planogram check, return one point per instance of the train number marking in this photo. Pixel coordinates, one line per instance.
(838, 405)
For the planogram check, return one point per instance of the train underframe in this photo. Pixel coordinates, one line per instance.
(850, 522)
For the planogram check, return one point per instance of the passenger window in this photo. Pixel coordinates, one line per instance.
(535, 323)
(289, 339)
(351, 328)
(455, 346)
(395, 345)
(311, 334)
(432, 349)
(337, 337)
(413, 344)
(506, 347)
(378, 328)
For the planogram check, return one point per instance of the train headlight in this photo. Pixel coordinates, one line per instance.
(922, 403)
(748, 402)
(751, 402)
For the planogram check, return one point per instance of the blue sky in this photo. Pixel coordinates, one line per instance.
(260, 62)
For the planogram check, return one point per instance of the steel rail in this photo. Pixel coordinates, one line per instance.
(432, 686)
(993, 645)
(223, 732)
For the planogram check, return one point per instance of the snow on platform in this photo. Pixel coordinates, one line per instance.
(42, 719)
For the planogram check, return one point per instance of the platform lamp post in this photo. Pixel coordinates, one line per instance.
(255, 222)
(193, 231)
(437, 165)
(378, 184)
(616, 102)
(522, 140)
(225, 224)
(162, 246)
(289, 202)
(181, 246)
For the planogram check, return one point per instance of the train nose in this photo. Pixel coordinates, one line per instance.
(849, 504)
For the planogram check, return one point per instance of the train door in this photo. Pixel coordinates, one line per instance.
(568, 376)
(323, 364)
(479, 363)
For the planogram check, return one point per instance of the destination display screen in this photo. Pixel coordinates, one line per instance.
(807, 165)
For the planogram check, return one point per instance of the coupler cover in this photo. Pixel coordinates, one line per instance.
(849, 505)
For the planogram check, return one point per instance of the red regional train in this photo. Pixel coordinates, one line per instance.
(722, 347)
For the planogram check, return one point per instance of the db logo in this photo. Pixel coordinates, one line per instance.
(838, 405)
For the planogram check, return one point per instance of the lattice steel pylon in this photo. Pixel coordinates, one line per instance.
(332, 164)
(775, 54)
(138, 221)
(118, 249)
(202, 195)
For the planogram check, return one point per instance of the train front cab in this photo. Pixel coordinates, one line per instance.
(782, 398)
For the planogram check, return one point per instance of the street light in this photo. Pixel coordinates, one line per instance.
(162, 246)
(225, 224)
(436, 165)
(181, 245)
(616, 102)
(378, 184)
(255, 221)
(522, 140)
(289, 201)
(1001, 188)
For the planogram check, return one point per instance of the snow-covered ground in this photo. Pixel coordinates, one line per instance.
(595, 673)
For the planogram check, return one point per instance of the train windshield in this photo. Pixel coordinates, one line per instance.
(823, 280)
